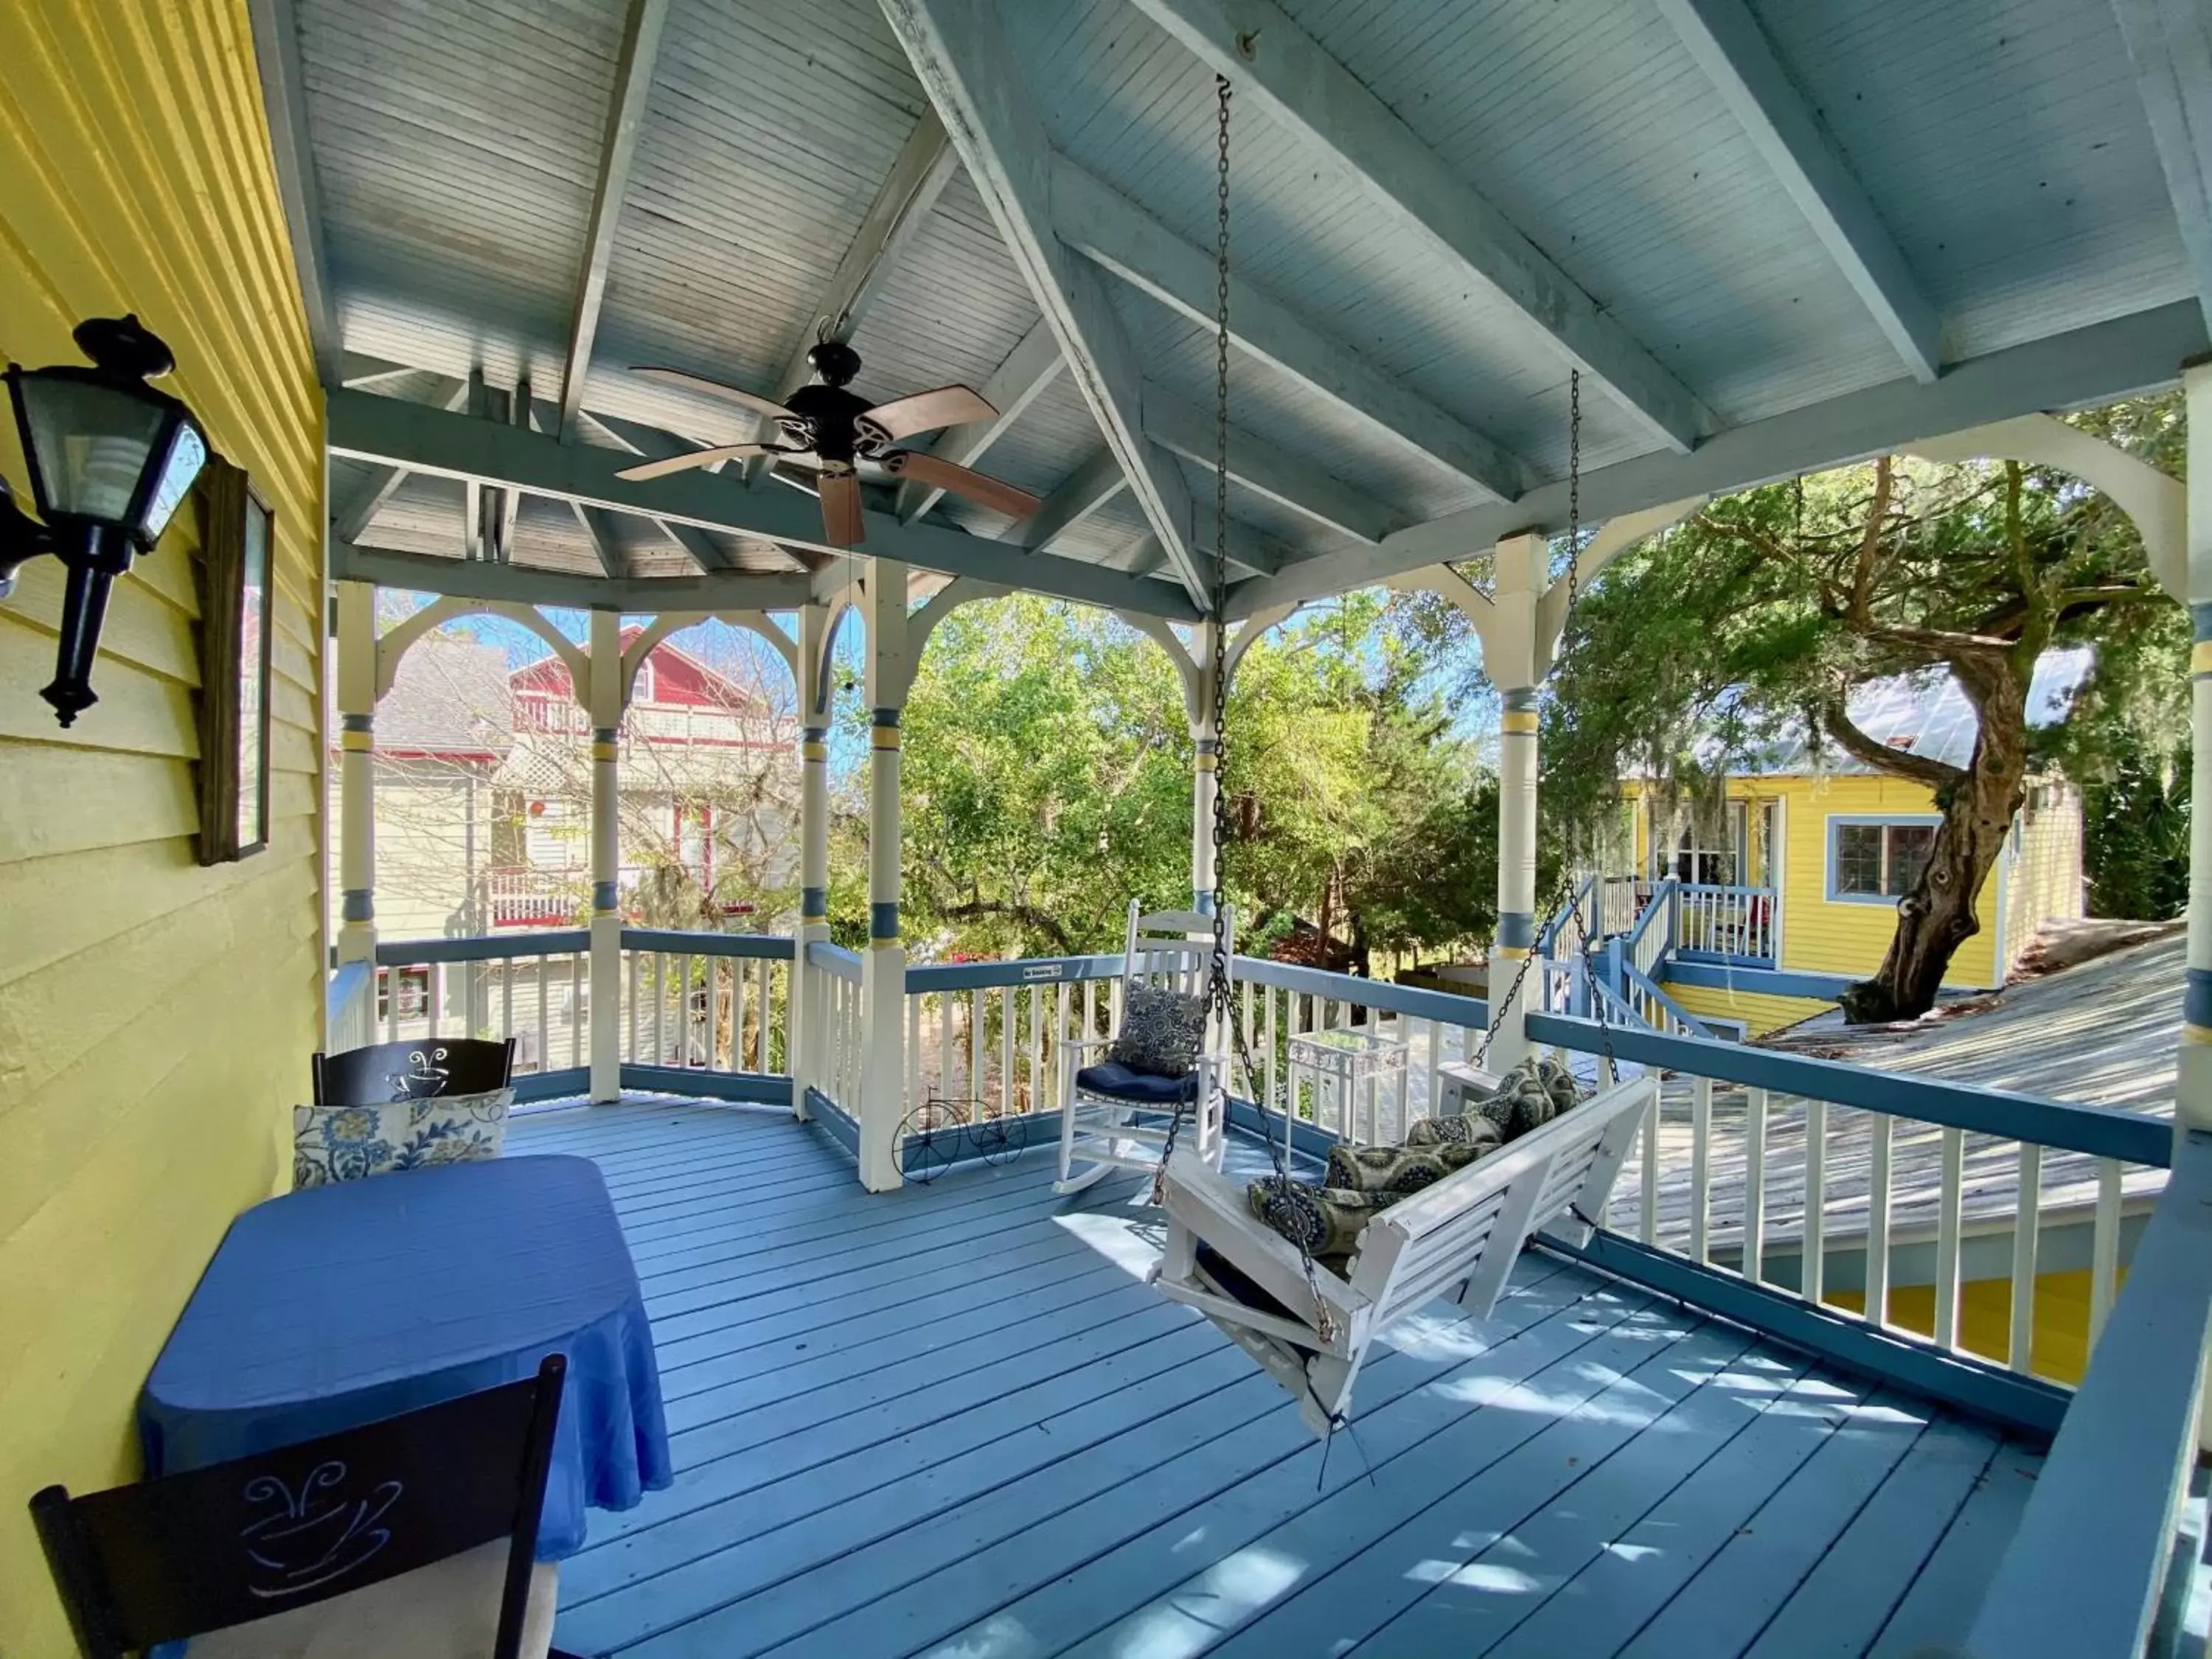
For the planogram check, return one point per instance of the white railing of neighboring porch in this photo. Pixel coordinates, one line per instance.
(1738, 923)
(1797, 1180)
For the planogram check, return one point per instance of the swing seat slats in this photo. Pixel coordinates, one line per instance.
(1467, 1229)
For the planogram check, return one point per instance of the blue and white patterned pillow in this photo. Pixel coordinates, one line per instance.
(350, 1142)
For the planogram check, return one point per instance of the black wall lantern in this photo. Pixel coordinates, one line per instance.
(111, 459)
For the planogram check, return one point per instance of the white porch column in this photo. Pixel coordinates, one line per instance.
(357, 688)
(1205, 775)
(2193, 1107)
(1510, 649)
(603, 700)
(883, 970)
(814, 711)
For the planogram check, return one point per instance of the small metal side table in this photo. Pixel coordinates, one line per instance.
(1350, 1081)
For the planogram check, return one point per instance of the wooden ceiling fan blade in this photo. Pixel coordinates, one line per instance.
(926, 411)
(841, 509)
(978, 487)
(690, 382)
(661, 468)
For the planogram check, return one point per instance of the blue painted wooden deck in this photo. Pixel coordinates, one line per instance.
(953, 1421)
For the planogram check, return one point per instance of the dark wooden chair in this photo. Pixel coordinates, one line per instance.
(218, 1549)
(413, 1070)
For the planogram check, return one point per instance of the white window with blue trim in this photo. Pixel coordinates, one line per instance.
(1877, 861)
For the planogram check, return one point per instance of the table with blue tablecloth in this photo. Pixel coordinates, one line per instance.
(338, 1305)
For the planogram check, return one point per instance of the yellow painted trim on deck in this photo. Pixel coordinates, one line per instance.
(602, 750)
(2200, 657)
(1518, 722)
(813, 751)
(2195, 1033)
(357, 743)
(1511, 952)
(156, 1029)
(883, 737)
(1204, 763)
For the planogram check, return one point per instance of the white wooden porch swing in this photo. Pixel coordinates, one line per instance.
(1307, 1325)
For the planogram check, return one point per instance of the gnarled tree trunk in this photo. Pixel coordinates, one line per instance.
(1938, 915)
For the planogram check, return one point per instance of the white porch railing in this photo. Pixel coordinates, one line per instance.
(350, 1007)
(834, 1043)
(1829, 1185)
(2093, 1568)
(1737, 924)
(534, 988)
(709, 1004)
(983, 1036)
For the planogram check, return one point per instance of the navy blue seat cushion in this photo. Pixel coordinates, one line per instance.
(1118, 1082)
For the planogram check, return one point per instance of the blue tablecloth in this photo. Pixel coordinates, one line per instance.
(338, 1305)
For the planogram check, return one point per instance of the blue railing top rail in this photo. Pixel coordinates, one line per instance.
(1727, 889)
(1416, 1001)
(1447, 1006)
(777, 947)
(1016, 970)
(834, 959)
(418, 953)
(2098, 1131)
(2086, 1570)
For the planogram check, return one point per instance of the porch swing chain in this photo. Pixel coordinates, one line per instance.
(1218, 994)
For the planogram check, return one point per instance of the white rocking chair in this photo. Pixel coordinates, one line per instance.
(1112, 1118)
(1467, 1228)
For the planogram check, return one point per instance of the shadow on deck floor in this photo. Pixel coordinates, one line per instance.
(954, 1421)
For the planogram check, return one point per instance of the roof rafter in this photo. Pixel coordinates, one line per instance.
(1033, 364)
(284, 98)
(2170, 44)
(2088, 366)
(918, 177)
(1112, 231)
(633, 85)
(1741, 62)
(599, 525)
(1264, 469)
(959, 51)
(1081, 493)
(369, 428)
(1304, 91)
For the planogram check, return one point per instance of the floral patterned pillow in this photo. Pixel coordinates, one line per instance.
(347, 1143)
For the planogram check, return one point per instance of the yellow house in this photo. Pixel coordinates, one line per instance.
(1791, 892)
(154, 1015)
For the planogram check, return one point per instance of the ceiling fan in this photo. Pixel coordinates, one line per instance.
(840, 429)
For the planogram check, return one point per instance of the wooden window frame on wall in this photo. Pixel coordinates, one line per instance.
(228, 503)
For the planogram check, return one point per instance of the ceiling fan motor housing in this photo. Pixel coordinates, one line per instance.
(829, 422)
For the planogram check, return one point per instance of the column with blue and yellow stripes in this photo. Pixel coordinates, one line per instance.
(1509, 653)
(883, 970)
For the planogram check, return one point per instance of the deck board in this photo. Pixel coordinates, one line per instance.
(954, 1420)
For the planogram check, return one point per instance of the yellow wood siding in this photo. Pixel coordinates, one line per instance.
(155, 1018)
(1819, 936)
(1759, 1012)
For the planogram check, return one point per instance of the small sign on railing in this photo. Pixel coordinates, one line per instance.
(1038, 970)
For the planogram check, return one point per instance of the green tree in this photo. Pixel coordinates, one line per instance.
(1771, 606)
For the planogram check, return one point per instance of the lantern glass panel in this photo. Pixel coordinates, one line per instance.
(90, 442)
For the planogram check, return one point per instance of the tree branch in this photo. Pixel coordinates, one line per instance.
(1903, 762)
